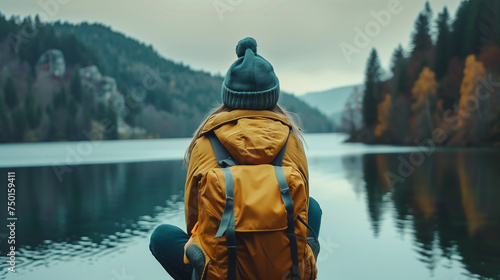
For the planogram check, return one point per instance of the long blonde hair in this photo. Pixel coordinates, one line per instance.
(297, 130)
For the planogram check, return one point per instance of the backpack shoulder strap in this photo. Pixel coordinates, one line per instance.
(227, 225)
(278, 160)
(290, 230)
(224, 158)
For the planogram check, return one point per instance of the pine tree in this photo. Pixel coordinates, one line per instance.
(372, 90)
(20, 124)
(69, 129)
(429, 14)
(443, 55)
(4, 121)
(59, 99)
(489, 23)
(466, 36)
(75, 86)
(471, 42)
(421, 38)
(399, 64)
(33, 114)
(459, 25)
(101, 111)
(64, 98)
(87, 122)
(397, 57)
(10, 93)
(72, 108)
(113, 127)
(71, 121)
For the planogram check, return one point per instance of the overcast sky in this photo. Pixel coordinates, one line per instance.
(311, 44)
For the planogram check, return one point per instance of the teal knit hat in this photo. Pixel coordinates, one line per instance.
(250, 82)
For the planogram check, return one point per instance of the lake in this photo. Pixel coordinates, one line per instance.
(86, 210)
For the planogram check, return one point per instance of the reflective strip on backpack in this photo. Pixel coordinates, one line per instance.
(278, 159)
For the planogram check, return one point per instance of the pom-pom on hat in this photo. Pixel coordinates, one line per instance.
(250, 82)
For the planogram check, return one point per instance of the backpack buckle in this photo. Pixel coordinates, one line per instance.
(226, 163)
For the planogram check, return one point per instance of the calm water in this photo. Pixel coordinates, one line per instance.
(439, 220)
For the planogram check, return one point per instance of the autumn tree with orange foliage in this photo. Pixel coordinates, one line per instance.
(383, 115)
(471, 118)
(468, 101)
(424, 95)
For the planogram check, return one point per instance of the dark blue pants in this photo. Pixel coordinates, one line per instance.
(167, 244)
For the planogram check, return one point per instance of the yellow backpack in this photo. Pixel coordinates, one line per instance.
(251, 222)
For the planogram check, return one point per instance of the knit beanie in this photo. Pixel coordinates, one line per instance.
(250, 82)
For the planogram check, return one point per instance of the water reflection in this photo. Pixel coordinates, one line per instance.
(93, 210)
(450, 204)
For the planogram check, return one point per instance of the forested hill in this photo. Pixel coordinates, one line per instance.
(130, 61)
(107, 75)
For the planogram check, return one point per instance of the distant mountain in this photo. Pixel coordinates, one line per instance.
(331, 102)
